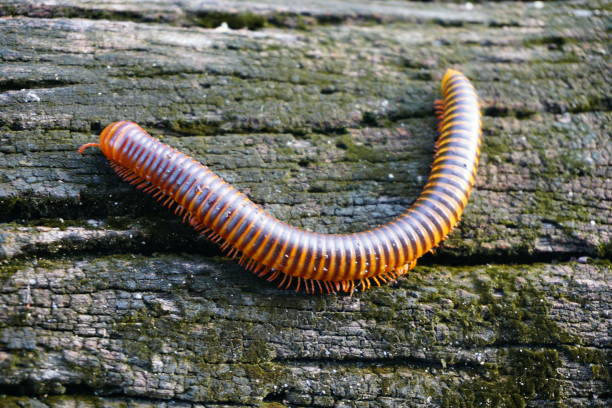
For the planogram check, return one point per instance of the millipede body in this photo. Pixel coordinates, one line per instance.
(302, 259)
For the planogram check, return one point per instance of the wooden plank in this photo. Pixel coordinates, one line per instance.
(323, 114)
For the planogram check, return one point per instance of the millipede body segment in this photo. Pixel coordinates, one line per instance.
(302, 259)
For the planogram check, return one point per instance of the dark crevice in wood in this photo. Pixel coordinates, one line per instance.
(500, 258)
(52, 11)
(81, 389)
(504, 111)
(276, 396)
(391, 361)
(200, 246)
(22, 84)
(31, 388)
(298, 20)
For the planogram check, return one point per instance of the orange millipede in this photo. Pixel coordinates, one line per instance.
(302, 259)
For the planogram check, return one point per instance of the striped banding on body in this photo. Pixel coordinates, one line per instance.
(302, 259)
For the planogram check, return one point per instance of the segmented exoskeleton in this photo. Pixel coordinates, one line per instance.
(303, 259)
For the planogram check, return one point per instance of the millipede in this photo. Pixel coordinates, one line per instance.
(305, 260)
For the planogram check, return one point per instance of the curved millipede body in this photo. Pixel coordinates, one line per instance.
(303, 259)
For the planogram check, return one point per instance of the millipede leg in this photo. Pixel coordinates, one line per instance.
(274, 275)
(282, 280)
(439, 109)
(299, 283)
(288, 285)
(319, 285)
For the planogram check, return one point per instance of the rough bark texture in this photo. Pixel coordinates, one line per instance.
(323, 114)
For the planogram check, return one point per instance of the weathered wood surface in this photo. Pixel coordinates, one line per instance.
(322, 113)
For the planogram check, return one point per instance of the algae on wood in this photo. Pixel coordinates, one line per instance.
(323, 114)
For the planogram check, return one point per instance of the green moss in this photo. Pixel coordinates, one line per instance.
(586, 354)
(91, 373)
(121, 222)
(20, 206)
(601, 372)
(272, 405)
(604, 250)
(566, 165)
(81, 401)
(518, 312)
(552, 40)
(8, 269)
(521, 313)
(294, 21)
(19, 361)
(60, 223)
(598, 359)
(146, 333)
(553, 207)
(147, 330)
(526, 375)
(19, 317)
(605, 263)
(495, 147)
(141, 334)
(98, 14)
(285, 151)
(357, 152)
(78, 12)
(7, 401)
(535, 373)
(195, 127)
(503, 307)
(258, 351)
(213, 19)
